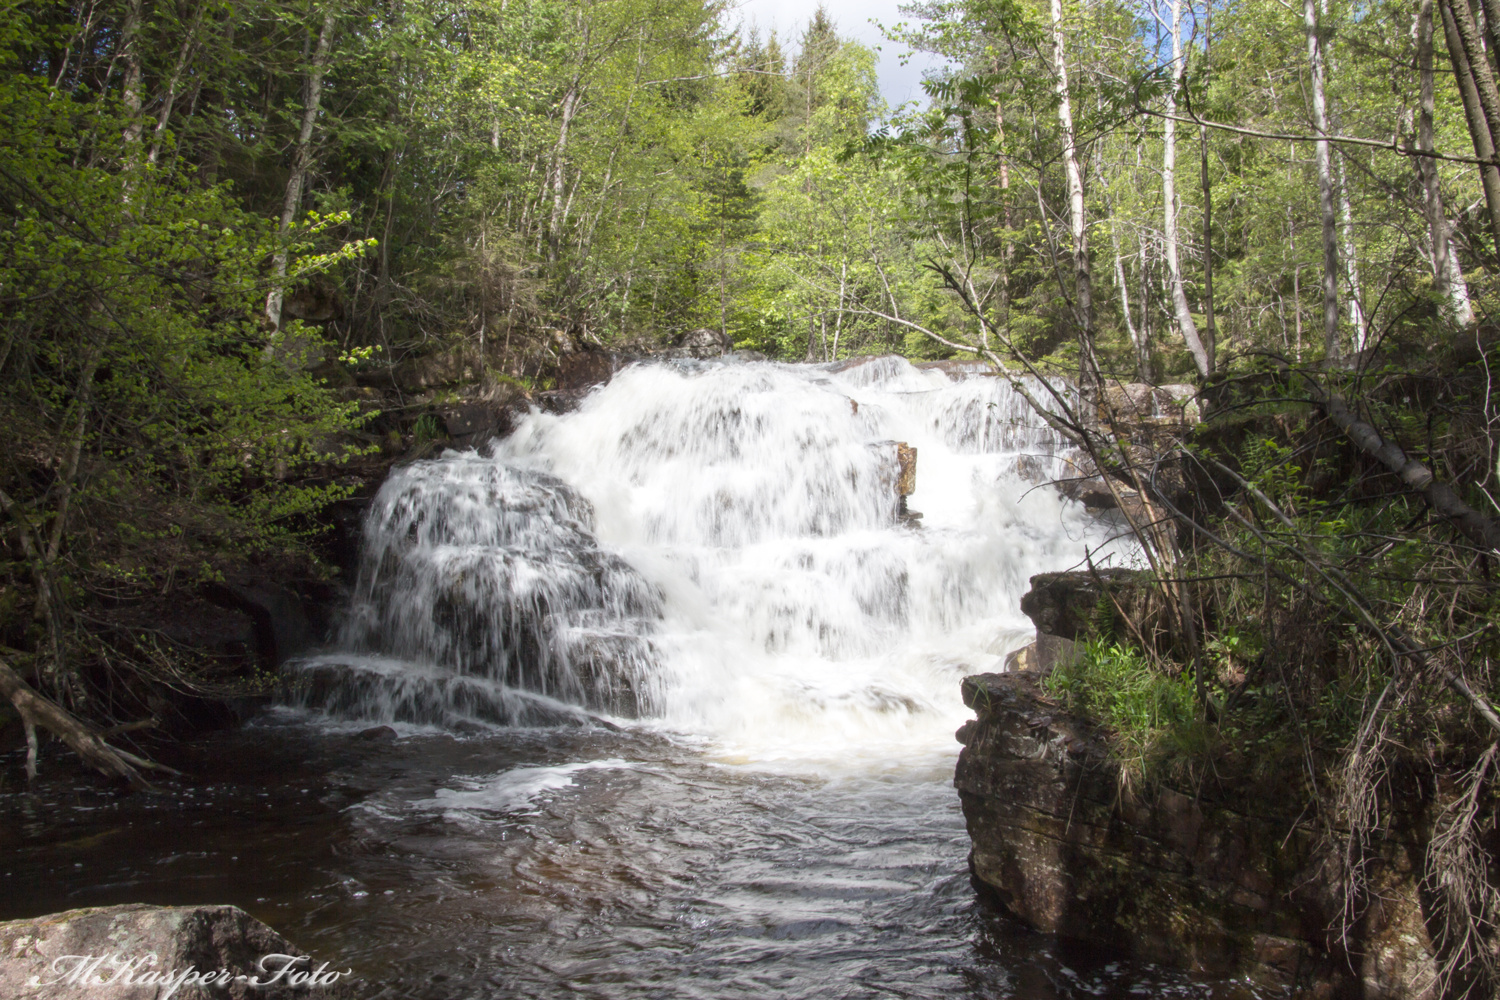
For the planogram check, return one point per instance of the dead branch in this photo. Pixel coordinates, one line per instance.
(1480, 530)
(36, 710)
(1395, 638)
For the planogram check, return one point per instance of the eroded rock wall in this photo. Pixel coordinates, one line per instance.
(1062, 841)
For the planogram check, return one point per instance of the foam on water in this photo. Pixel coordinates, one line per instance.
(715, 548)
(510, 791)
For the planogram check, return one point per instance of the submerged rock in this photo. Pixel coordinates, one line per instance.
(50, 957)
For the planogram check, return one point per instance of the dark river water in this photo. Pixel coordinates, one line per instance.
(558, 863)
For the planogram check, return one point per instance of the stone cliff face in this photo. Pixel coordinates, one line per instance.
(1220, 882)
(1062, 843)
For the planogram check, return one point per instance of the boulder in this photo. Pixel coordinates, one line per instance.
(208, 952)
(1138, 402)
(958, 369)
(584, 370)
(279, 616)
(700, 343)
(484, 410)
(431, 370)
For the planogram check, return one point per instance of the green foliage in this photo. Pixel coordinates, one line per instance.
(150, 430)
(1151, 717)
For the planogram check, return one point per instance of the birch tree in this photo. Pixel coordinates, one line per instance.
(301, 163)
(1446, 273)
(1181, 312)
(1326, 197)
(1083, 290)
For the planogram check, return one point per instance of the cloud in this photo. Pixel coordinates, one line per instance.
(898, 83)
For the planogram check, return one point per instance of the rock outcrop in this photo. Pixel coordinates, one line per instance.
(138, 952)
(1220, 879)
(1220, 886)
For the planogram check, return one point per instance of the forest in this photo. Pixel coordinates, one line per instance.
(230, 231)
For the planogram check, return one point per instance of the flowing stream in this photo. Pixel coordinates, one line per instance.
(675, 678)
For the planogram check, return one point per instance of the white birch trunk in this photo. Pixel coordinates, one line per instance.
(1326, 199)
(1183, 314)
(1083, 279)
(130, 87)
(1357, 318)
(1445, 270)
(559, 168)
(169, 102)
(301, 161)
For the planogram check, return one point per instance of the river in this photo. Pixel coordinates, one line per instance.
(673, 681)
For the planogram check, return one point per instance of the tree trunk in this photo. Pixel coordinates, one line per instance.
(558, 180)
(1474, 48)
(301, 161)
(1137, 337)
(1088, 368)
(1357, 317)
(164, 117)
(38, 711)
(838, 323)
(1007, 249)
(1182, 313)
(1210, 331)
(1467, 75)
(1143, 363)
(1326, 199)
(1445, 270)
(130, 88)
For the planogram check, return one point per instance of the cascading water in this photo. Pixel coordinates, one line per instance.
(711, 555)
(714, 546)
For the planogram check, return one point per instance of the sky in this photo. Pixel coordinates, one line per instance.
(852, 18)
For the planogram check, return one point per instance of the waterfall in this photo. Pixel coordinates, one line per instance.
(715, 548)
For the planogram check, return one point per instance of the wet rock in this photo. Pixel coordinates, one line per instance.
(957, 369)
(379, 734)
(484, 410)
(314, 303)
(432, 370)
(1220, 883)
(204, 939)
(578, 374)
(700, 343)
(1093, 492)
(469, 420)
(1138, 402)
(281, 622)
(584, 370)
(906, 458)
(1031, 468)
(1024, 658)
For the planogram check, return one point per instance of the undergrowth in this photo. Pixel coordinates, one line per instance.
(1152, 717)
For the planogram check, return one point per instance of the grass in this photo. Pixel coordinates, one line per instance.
(1152, 717)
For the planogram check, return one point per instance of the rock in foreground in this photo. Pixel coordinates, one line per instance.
(107, 951)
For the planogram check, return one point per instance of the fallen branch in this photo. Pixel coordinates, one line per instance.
(36, 710)
(1393, 636)
(1474, 526)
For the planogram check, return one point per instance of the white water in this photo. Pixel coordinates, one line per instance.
(715, 547)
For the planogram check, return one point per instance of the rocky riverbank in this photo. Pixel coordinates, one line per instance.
(1223, 879)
